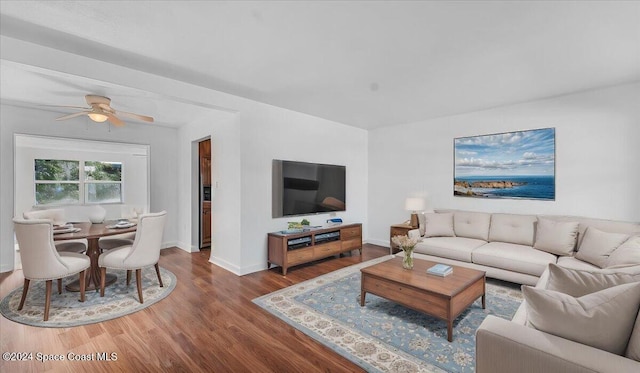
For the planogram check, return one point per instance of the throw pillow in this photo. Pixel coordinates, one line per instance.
(597, 245)
(578, 283)
(603, 319)
(633, 349)
(628, 254)
(438, 225)
(421, 222)
(556, 237)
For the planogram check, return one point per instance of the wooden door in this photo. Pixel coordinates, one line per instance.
(206, 224)
(205, 162)
(204, 152)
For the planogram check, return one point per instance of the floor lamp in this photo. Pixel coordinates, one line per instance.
(414, 205)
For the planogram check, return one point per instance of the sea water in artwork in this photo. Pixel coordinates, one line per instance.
(518, 164)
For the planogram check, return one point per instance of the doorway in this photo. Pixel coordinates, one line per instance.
(204, 156)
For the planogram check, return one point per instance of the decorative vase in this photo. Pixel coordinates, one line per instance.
(97, 214)
(407, 261)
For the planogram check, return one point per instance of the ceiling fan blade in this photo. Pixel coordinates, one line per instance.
(135, 116)
(68, 107)
(72, 115)
(114, 120)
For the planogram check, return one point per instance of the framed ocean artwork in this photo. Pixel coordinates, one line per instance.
(518, 165)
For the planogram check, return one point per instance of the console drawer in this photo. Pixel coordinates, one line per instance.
(327, 249)
(300, 255)
(353, 232)
(352, 244)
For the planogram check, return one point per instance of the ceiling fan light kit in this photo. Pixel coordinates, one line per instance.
(100, 110)
(98, 117)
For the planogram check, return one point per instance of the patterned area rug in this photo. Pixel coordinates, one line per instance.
(66, 310)
(384, 336)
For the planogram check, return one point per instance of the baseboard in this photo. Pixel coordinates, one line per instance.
(384, 243)
(186, 247)
(252, 269)
(168, 244)
(6, 268)
(226, 265)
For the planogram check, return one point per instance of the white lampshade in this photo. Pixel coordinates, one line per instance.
(414, 204)
(98, 117)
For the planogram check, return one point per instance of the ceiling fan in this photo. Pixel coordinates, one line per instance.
(100, 110)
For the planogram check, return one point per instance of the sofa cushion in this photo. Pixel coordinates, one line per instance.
(578, 283)
(513, 257)
(633, 348)
(628, 254)
(596, 246)
(556, 237)
(457, 248)
(512, 228)
(573, 263)
(439, 225)
(472, 225)
(603, 319)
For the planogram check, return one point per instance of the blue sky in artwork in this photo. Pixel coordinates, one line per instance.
(513, 153)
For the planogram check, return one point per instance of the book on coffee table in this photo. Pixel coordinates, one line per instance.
(440, 270)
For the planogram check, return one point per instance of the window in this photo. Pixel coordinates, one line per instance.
(57, 181)
(103, 182)
(60, 182)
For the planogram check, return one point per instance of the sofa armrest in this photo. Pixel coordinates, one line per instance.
(503, 346)
(414, 233)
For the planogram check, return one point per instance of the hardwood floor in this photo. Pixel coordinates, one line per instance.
(207, 324)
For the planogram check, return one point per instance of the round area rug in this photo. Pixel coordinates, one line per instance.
(66, 309)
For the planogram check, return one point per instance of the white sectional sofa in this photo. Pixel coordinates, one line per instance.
(519, 248)
(512, 247)
(504, 346)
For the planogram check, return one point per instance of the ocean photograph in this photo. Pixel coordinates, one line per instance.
(518, 165)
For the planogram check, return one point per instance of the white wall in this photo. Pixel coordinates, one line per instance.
(221, 128)
(163, 147)
(134, 158)
(597, 158)
(243, 146)
(271, 133)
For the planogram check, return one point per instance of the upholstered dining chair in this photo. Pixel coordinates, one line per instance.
(115, 241)
(144, 252)
(41, 260)
(58, 218)
(111, 242)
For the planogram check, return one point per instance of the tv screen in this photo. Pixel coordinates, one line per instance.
(301, 188)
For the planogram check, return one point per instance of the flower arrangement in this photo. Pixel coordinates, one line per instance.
(407, 245)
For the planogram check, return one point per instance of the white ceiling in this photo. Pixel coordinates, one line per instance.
(366, 64)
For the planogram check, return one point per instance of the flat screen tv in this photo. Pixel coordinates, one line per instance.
(301, 188)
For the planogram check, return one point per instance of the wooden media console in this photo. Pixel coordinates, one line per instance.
(290, 249)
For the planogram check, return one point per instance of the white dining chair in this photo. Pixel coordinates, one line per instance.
(58, 218)
(115, 241)
(128, 212)
(144, 252)
(41, 260)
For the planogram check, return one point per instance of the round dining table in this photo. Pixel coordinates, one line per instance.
(92, 233)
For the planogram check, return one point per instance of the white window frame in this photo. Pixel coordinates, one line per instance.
(136, 175)
(82, 182)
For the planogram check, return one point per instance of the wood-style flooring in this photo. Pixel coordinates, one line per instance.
(207, 324)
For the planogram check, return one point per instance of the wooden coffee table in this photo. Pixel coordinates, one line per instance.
(441, 297)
